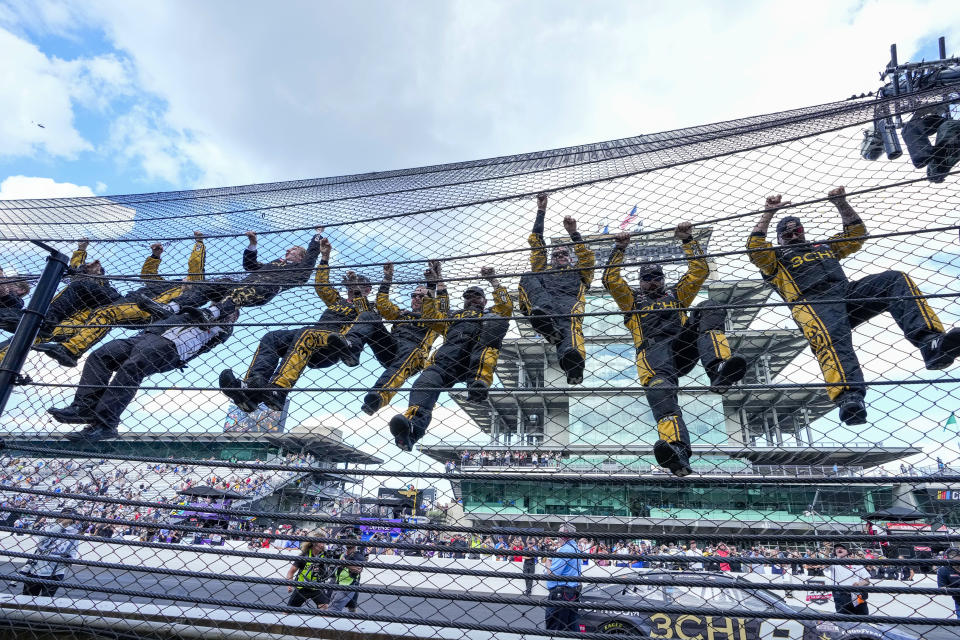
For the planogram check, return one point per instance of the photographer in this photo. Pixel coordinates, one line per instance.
(348, 575)
(310, 575)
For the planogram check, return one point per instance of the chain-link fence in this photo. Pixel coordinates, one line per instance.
(691, 385)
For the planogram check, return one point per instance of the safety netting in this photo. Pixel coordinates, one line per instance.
(692, 384)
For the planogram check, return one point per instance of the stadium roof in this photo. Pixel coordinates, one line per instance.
(196, 445)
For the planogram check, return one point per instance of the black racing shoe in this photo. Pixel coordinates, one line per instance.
(371, 403)
(728, 373)
(156, 310)
(941, 351)
(572, 364)
(93, 433)
(674, 457)
(233, 389)
(72, 414)
(401, 431)
(852, 409)
(477, 391)
(339, 343)
(58, 352)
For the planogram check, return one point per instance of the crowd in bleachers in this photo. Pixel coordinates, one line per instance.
(508, 458)
(149, 482)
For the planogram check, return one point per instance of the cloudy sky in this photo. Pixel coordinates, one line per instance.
(109, 97)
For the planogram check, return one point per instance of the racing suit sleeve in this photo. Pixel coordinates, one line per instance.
(250, 262)
(150, 268)
(502, 302)
(696, 275)
(386, 308)
(586, 259)
(322, 286)
(437, 308)
(614, 282)
(538, 255)
(196, 264)
(766, 258)
(313, 252)
(849, 240)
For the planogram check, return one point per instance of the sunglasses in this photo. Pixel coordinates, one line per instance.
(651, 277)
(792, 233)
(417, 295)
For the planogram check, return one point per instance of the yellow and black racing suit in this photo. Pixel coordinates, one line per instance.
(811, 274)
(267, 279)
(283, 355)
(125, 312)
(470, 350)
(667, 340)
(410, 340)
(70, 307)
(554, 298)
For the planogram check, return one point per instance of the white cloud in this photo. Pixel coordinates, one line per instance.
(21, 187)
(302, 90)
(21, 219)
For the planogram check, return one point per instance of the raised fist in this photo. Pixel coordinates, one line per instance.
(82, 244)
(325, 248)
(198, 236)
(156, 248)
(683, 230)
(621, 240)
(319, 230)
(570, 225)
(774, 202)
(388, 271)
(487, 272)
(541, 202)
(837, 194)
(251, 236)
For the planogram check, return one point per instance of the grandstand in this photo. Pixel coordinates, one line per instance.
(282, 491)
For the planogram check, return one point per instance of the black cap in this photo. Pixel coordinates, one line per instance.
(840, 545)
(650, 267)
(783, 222)
(68, 511)
(952, 552)
(477, 290)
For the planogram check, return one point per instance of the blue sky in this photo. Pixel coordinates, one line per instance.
(175, 95)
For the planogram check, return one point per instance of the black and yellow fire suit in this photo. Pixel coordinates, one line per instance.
(561, 293)
(410, 340)
(470, 350)
(267, 279)
(125, 312)
(811, 273)
(667, 340)
(283, 355)
(70, 307)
